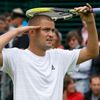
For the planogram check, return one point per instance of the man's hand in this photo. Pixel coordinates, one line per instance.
(25, 29)
(92, 49)
(86, 13)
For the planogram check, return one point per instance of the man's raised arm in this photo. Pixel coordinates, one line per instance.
(92, 48)
(5, 38)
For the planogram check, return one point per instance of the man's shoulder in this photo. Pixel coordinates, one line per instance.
(54, 51)
(58, 50)
(12, 50)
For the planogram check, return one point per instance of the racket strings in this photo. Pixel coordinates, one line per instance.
(61, 10)
(54, 13)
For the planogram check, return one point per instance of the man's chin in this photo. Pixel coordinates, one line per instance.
(49, 47)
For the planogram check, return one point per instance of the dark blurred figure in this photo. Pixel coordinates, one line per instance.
(3, 26)
(8, 18)
(17, 18)
(94, 94)
(70, 92)
(95, 69)
(10, 96)
(21, 42)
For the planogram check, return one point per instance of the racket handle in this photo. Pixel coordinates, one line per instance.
(96, 10)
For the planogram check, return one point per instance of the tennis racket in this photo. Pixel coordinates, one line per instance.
(56, 13)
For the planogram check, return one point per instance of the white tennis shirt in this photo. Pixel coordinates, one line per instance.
(35, 77)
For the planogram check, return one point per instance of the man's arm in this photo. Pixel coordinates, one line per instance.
(5, 38)
(92, 48)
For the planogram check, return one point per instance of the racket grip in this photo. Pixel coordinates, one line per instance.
(96, 10)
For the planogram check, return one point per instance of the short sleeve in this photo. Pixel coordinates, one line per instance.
(8, 61)
(72, 58)
(68, 59)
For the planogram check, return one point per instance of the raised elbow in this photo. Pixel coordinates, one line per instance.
(97, 54)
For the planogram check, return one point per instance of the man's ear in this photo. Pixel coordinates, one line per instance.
(31, 32)
(34, 31)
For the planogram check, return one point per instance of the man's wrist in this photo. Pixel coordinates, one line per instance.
(89, 22)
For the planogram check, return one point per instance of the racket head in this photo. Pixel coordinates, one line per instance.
(54, 13)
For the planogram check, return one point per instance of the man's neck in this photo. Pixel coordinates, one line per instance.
(37, 51)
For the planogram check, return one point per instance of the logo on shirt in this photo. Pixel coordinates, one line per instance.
(53, 68)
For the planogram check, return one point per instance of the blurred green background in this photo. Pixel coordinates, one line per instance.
(63, 25)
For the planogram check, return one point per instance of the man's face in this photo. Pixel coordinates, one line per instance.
(44, 36)
(95, 86)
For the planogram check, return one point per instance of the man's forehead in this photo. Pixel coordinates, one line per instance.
(47, 23)
(46, 20)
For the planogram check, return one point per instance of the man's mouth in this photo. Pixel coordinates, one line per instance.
(49, 40)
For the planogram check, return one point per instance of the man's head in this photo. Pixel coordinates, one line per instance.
(95, 84)
(35, 20)
(43, 37)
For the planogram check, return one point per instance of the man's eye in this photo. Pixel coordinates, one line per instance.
(53, 30)
(47, 30)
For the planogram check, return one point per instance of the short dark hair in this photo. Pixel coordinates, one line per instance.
(37, 18)
(94, 76)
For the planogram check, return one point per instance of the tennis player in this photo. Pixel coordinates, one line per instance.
(38, 71)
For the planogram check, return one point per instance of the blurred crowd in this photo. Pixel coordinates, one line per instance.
(82, 83)
(9, 21)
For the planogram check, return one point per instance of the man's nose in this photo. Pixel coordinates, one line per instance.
(51, 33)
